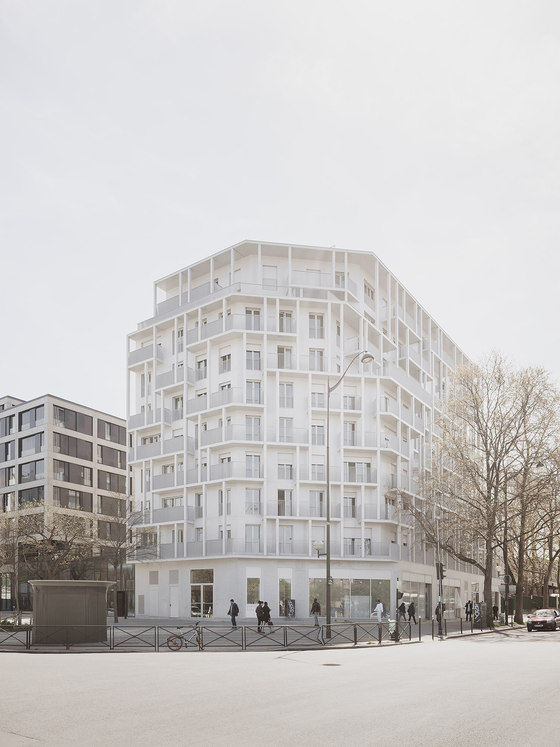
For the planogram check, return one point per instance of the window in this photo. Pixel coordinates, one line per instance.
(31, 418)
(349, 402)
(74, 421)
(349, 433)
(31, 496)
(8, 449)
(253, 360)
(286, 322)
(318, 471)
(201, 369)
(350, 506)
(81, 501)
(7, 477)
(284, 357)
(252, 542)
(318, 435)
(285, 430)
(8, 501)
(199, 534)
(32, 471)
(252, 501)
(285, 471)
(252, 319)
(317, 399)
(316, 326)
(224, 502)
(109, 481)
(76, 447)
(253, 584)
(253, 392)
(225, 363)
(252, 428)
(7, 426)
(285, 536)
(369, 293)
(286, 393)
(316, 360)
(285, 503)
(180, 340)
(357, 472)
(111, 432)
(252, 465)
(316, 503)
(339, 280)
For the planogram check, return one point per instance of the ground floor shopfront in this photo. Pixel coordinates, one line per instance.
(202, 589)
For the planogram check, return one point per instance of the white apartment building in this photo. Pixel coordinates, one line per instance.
(227, 418)
(60, 456)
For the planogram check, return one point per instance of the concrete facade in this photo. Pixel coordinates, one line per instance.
(227, 396)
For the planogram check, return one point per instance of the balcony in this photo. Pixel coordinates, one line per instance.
(197, 404)
(290, 436)
(364, 475)
(281, 508)
(145, 353)
(160, 482)
(235, 470)
(173, 445)
(173, 513)
(146, 451)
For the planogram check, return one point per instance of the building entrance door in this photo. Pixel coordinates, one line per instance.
(202, 600)
(173, 601)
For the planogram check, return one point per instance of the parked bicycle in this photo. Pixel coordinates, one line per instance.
(192, 636)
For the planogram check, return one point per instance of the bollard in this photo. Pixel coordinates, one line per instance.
(461, 619)
(419, 628)
(379, 633)
(433, 629)
(355, 635)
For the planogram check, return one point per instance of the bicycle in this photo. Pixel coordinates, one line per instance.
(175, 642)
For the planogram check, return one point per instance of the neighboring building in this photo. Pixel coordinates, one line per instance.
(62, 457)
(227, 421)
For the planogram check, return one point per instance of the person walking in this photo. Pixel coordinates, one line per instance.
(379, 610)
(402, 611)
(266, 615)
(260, 616)
(412, 613)
(468, 611)
(495, 611)
(233, 612)
(316, 611)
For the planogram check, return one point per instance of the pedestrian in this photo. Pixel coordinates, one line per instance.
(412, 613)
(468, 611)
(316, 611)
(260, 616)
(402, 611)
(266, 615)
(379, 610)
(233, 612)
(495, 611)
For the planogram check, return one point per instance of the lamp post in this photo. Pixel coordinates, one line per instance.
(365, 358)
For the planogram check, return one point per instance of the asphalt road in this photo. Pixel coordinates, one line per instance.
(499, 688)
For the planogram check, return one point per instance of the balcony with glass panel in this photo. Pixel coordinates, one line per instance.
(166, 480)
(172, 513)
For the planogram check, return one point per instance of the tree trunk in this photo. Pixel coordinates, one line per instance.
(488, 584)
(116, 601)
(520, 570)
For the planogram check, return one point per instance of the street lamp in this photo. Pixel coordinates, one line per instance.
(365, 357)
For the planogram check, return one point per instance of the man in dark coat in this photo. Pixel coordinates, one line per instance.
(402, 611)
(233, 612)
(260, 616)
(412, 612)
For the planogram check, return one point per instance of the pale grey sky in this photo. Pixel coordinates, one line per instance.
(139, 136)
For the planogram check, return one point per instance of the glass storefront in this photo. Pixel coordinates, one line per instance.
(351, 598)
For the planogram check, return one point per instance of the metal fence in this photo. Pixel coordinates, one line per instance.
(195, 637)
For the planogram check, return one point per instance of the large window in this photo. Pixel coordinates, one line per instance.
(31, 445)
(71, 446)
(316, 503)
(31, 418)
(32, 471)
(252, 428)
(70, 498)
(111, 432)
(286, 430)
(285, 471)
(318, 435)
(285, 503)
(111, 506)
(225, 363)
(286, 322)
(252, 465)
(357, 472)
(111, 482)
(111, 457)
(32, 497)
(74, 421)
(253, 392)
(352, 598)
(7, 477)
(316, 362)
(252, 319)
(68, 472)
(284, 357)
(252, 538)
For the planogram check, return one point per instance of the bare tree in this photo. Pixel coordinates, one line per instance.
(489, 433)
(54, 542)
(9, 558)
(122, 540)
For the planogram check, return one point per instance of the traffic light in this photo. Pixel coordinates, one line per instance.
(440, 571)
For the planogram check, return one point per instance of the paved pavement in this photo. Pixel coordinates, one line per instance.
(499, 688)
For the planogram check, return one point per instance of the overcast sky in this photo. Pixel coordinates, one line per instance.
(138, 137)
